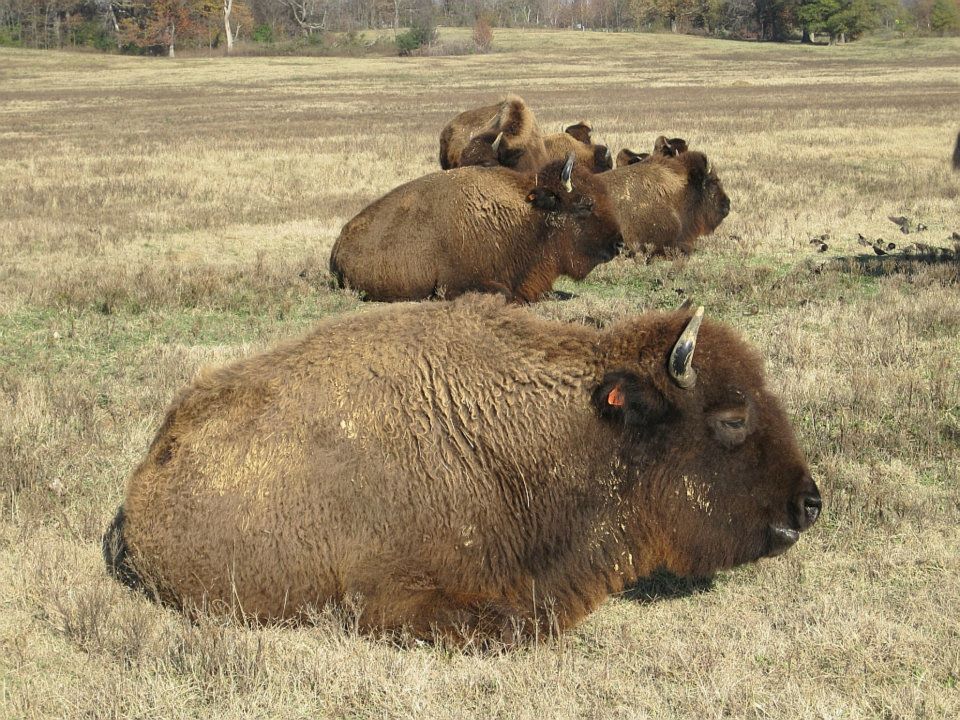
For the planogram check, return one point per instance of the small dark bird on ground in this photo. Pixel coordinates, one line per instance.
(907, 225)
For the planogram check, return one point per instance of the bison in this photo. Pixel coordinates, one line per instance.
(661, 146)
(464, 468)
(476, 228)
(521, 140)
(511, 128)
(577, 139)
(666, 202)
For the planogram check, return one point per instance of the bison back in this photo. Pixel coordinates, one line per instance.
(440, 235)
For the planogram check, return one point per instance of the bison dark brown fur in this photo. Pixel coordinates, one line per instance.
(522, 140)
(476, 228)
(666, 203)
(661, 146)
(462, 467)
(577, 139)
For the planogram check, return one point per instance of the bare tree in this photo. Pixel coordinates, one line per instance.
(305, 14)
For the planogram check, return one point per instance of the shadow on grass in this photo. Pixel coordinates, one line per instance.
(881, 265)
(663, 585)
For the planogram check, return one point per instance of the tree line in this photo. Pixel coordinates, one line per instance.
(162, 26)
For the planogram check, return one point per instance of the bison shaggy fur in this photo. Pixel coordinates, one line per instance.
(461, 467)
(477, 228)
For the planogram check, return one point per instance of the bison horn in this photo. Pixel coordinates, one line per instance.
(496, 143)
(681, 357)
(567, 171)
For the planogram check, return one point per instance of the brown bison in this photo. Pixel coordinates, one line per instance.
(463, 467)
(521, 142)
(511, 130)
(475, 228)
(577, 139)
(666, 202)
(661, 146)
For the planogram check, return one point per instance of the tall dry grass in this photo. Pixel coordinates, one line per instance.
(156, 216)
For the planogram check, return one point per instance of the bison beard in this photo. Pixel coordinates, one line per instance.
(463, 468)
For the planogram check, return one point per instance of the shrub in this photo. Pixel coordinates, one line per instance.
(263, 34)
(482, 35)
(423, 29)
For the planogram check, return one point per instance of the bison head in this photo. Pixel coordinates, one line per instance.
(580, 215)
(489, 149)
(598, 157)
(661, 147)
(715, 477)
(709, 204)
(669, 148)
(629, 157)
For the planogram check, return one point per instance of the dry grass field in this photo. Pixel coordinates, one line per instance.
(158, 215)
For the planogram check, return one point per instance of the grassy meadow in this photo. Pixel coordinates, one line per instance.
(157, 216)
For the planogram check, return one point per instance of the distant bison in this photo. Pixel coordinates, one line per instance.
(662, 146)
(521, 142)
(577, 139)
(510, 129)
(463, 468)
(474, 228)
(956, 154)
(666, 202)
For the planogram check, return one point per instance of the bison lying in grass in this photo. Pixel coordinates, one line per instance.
(512, 129)
(666, 202)
(474, 228)
(521, 142)
(463, 467)
(661, 146)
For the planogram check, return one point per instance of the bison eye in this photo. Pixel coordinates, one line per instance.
(730, 427)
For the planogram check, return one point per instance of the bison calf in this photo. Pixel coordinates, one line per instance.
(475, 228)
(463, 467)
(666, 201)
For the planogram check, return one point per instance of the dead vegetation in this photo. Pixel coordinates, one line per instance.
(159, 216)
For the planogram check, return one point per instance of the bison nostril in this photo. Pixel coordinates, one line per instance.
(808, 507)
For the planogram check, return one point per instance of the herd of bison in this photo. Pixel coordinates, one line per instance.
(467, 469)
(516, 208)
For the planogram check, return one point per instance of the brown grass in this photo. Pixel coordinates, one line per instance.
(156, 216)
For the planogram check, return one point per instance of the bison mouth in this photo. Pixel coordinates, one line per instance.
(780, 539)
(613, 248)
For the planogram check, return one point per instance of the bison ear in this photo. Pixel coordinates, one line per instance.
(543, 199)
(581, 131)
(625, 398)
